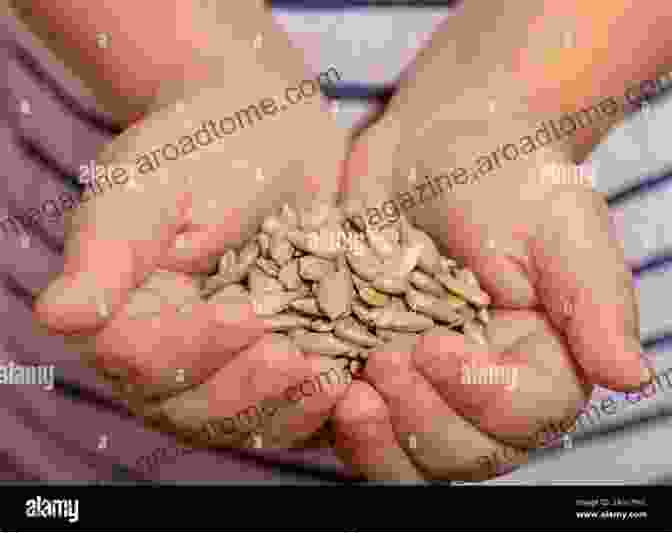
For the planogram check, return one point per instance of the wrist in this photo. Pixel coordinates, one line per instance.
(127, 52)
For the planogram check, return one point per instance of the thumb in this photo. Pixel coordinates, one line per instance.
(113, 243)
(369, 169)
(588, 291)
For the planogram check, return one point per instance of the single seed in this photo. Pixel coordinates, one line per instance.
(364, 265)
(475, 332)
(271, 303)
(364, 354)
(392, 285)
(388, 335)
(219, 281)
(402, 265)
(313, 268)
(398, 304)
(446, 264)
(350, 228)
(467, 312)
(335, 294)
(336, 217)
(281, 250)
(286, 322)
(354, 352)
(322, 244)
(429, 258)
(354, 212)
(264, 240)
(372, 297)
(313, 217)
(384, 243)
(468, 292)
(358, 282)
(352, 331)
(342, 362)
(322, 343)
(228, 293)
(322, 326)
(269, 267)
(289, 216)
(400, 321)
(427, 283)
(456, 302)
(273, 225)
(227, 261)
(249, 254)
(260, 282)
(289, 275)
(468, 277)
(363, 313)
(308, 306)
(294, 333)
(429, 305)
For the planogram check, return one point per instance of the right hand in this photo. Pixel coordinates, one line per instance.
(562, 303)
(182, 370)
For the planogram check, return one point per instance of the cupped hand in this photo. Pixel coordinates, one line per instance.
(563, 307)
(135, 255)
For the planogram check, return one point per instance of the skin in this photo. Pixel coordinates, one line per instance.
(117, 239)
(563, 300)
(455, 427)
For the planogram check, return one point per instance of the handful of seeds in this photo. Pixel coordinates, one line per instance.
(341, 289)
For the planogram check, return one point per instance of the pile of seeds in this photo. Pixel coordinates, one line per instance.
(341, 289)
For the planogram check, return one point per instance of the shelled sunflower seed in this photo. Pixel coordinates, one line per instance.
(342, 290)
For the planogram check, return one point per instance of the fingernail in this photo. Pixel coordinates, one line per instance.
(233, 309)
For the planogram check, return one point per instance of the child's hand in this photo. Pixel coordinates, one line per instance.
(179, 218)
(559, 285)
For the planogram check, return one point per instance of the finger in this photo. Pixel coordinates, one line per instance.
(365, 439)
(227, 215)
(504, 392)
(368, 177)
(587, 289)
(176, 348)
(199, 246)
(239, 400)
(116, 241)
(439, 441)
(315, 398)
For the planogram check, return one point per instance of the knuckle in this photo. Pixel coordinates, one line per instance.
(385, 364)
(361, 408)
